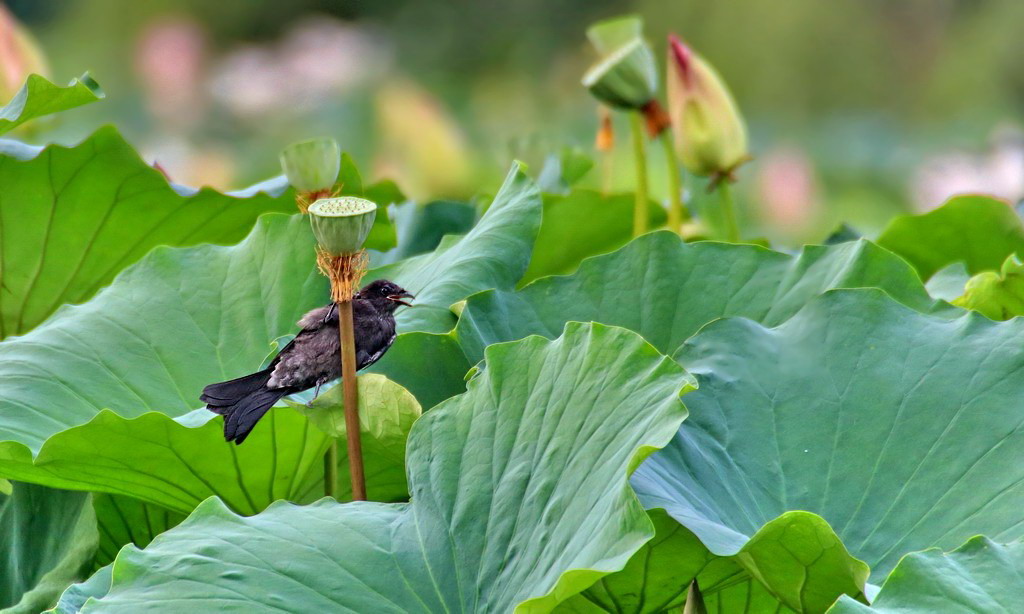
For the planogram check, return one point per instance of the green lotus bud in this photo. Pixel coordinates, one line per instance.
(20, 55)
(341, 225)
(709, 132)
(312, 165)
(626, 76)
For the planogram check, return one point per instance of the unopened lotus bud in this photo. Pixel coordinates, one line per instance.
(20, 55)
(341, 225)
(710, 136)
(313, 165)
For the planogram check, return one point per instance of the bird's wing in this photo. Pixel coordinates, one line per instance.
(366, 358)
(316, 318)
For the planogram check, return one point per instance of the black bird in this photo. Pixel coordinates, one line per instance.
(311, 359)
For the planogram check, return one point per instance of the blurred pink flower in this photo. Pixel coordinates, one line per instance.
(20, 55)
(317, 59)
(169, 60)
(788, 187)
(999, 172)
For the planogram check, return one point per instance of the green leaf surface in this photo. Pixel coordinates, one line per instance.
(948, 282)
(48, 539)
(899, 429)
(999, 296)
(40, 97)
(979, 577)
(126, 520)
(120, 367)
(666, 289)
(382, 234)
(72, 599)
(494, 254)
(519, 500)
(979, 231)
(72, 218)
(581, 224)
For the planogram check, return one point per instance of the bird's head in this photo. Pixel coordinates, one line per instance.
(385, 294)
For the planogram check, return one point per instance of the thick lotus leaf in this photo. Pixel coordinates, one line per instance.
(998, 295)
(581, 224)
(980, 577)
(979, 231)
(519, 500)
(666, 289)
(176, 464)
(120, 366)
(74, 217)
(494, 254)
(421, 227)
(900, 429)
(126, 520)
(948, 282)
(48, 539)
(40, 97)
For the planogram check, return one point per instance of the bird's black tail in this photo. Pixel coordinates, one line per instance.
(242, 402)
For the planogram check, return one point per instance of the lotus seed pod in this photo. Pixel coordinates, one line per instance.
(627, 78)
(312, 165)
(709, 132)
(341, 225)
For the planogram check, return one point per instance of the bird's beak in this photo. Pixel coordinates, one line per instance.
(398, 298)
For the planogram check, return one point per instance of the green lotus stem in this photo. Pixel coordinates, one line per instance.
(331, 469)
(732, 230)
(640, 159)
(677, 211)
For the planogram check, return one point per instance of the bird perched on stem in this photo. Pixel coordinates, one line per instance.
(311, 359)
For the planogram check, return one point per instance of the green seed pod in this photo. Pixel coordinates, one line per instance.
(340, 225)
(312, 165)
(627, 78)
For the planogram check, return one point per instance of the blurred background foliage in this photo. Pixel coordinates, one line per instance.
(858, 109)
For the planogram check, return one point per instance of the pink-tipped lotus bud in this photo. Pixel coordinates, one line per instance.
(20, 55)
(709, 132)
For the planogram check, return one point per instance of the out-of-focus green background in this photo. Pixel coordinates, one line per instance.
(858, 109)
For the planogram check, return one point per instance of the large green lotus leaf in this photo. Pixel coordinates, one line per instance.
(582, 224)
(48, 539)
(494, 254)
(40, 97)
(74, 217)
(899, 429)
(666, 289)
(979, 231)
(519, 500)
(176, 464)
(144, 348)
(125, 520)
(980, 577)
(174, 322)
(795, 560)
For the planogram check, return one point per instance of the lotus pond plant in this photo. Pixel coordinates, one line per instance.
(571, 419)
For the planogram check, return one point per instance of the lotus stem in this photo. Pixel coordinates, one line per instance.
(640, 214)
(677, 211)
(732, 230)
(350, 392)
